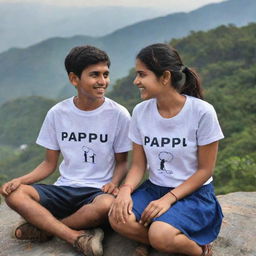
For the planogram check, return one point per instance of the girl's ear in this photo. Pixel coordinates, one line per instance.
(73, 78)
(166, 77)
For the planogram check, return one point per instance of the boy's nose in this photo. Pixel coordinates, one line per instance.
(102, 81)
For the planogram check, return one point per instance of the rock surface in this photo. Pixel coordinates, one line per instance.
(237, 236)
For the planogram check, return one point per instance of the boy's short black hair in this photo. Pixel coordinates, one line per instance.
(81, 57)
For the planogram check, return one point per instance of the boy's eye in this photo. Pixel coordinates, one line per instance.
(93, 75)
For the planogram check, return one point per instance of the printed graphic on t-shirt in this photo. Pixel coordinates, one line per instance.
(165, 157)
(89, 155)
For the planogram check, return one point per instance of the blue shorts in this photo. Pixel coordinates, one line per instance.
(198, 216)
(63, 201)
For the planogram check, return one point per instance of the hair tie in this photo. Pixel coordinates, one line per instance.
(184, 69)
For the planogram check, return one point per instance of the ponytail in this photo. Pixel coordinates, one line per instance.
(192, 83)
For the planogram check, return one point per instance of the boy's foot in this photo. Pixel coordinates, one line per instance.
(207, 250)
(27, 231)
(90, 243)
(141, 250)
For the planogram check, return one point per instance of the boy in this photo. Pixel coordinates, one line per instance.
(90, 131)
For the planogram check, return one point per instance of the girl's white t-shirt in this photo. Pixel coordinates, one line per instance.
(171, 144)
(88, 141)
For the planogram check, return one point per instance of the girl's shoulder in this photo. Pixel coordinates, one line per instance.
(199, 105)
(144, 105)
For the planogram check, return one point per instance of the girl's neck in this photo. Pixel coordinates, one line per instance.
(170, 104)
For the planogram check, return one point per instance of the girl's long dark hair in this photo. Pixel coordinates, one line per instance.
(161, 57)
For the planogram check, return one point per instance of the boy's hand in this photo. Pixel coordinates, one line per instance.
(9, 187)
(110, 188)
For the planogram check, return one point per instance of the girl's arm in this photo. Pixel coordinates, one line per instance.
(122, 205)
(207, 156)
(43, 170)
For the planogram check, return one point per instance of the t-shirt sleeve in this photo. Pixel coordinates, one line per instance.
(47, 135)
(209, 129)
(134, 133)
(122, 143)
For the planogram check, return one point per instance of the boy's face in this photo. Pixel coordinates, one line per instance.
(93, 82)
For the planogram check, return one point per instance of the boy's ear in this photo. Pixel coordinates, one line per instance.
(166, 77)
(73, 78)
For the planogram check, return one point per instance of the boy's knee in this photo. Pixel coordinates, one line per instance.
(20, 194)
(15, 196)
(103, 202)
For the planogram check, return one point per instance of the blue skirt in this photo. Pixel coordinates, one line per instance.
(198, 216)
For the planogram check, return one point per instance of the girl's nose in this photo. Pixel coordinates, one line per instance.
(136, 81)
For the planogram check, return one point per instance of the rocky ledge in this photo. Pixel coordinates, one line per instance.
(237, 236)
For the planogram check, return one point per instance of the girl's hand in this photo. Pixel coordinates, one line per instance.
(156, 208)
(122, 206)
(110, 188)
(10, 186)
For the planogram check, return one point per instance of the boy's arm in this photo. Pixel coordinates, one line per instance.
(119, 173)
(43, 170)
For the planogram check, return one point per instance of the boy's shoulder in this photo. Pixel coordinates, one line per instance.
(62, 106)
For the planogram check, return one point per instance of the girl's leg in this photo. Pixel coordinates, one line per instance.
(131, 229)
(164, 237)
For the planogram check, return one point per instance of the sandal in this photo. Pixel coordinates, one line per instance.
(141, 250)
(90, 243)
(207, 250)
(30, 232)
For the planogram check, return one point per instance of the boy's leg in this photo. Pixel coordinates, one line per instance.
(25, 201)
(90, 215)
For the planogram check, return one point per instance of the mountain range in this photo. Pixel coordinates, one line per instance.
(39, 69)
(24, 24)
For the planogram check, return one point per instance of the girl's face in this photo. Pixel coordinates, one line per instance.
(147, 82)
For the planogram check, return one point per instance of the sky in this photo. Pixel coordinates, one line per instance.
(170, 5)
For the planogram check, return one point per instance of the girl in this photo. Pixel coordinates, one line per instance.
(175, 134)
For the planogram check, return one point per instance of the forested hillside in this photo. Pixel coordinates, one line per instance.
(21, 120)
(226, 59)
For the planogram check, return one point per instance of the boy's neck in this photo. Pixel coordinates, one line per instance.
(87, 104)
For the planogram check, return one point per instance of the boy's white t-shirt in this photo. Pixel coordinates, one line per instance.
(171, 144)
(88, 141)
